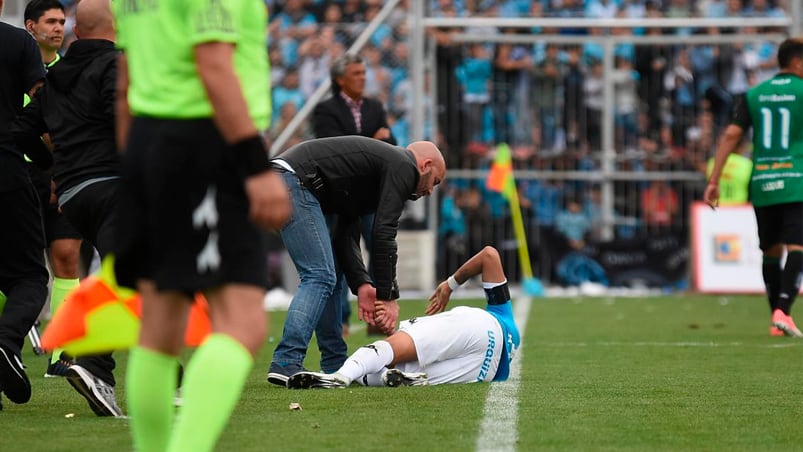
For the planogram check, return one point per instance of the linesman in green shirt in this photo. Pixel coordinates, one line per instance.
(734, 182)
(196, 186)
(774, 109)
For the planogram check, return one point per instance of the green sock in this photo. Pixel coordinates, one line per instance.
(2, 302)
(151, 380)
(213, 382)
(61, 287)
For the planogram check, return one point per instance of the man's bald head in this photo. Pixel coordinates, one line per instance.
(94, 20)
(431, 166)
(427, 150)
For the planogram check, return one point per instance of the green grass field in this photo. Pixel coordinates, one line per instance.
(667, 373)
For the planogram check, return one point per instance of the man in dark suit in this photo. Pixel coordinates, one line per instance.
(347, 112)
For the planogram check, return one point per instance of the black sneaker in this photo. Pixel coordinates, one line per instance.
(98, 393)
(13, 378)
(310, 380)
(60, 367)
(278, 374)
(395, 378)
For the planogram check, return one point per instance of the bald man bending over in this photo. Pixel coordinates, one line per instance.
(76, 107)
(334, 181)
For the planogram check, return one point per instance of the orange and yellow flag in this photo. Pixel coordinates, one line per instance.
(500, 178)
(99, 316)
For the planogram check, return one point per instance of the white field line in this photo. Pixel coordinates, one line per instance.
(788, 343)
(500, 419)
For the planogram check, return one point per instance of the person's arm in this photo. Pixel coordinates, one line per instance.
(268, 197)
(486, 262)
(325, 122)
(122, 115)
(215, 64)
(346, 246)
(383, 132)
(27, 130)
(31, 92)
(729, 142)
(397, 184)
(108, 89)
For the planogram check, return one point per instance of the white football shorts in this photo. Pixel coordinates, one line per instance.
(461, 345)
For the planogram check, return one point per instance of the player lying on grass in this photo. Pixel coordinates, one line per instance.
(462, 345)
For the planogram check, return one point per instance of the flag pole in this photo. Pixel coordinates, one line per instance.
(501, 179)
(521, 237)
(531, 285)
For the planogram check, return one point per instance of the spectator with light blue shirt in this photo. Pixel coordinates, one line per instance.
(763, 8)
(293, 24)
(601, 9)
(546, 99)
(474, 76)
(715, 9)
(573, 224)
(288, 91)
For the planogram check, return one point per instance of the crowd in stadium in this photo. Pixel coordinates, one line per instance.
(542, 99)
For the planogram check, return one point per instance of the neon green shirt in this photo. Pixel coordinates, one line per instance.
(158, 37)
(776, 114)
(734, 182)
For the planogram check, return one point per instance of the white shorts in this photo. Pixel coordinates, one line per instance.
(461, 345)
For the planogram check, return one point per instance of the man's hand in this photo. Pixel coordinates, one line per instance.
(366, 300)
(439, 299)
(387, 315)
(269, 200)
(711, 196)
(382, 133)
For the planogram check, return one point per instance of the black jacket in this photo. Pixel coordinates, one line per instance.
(353, 176)
(76, 107)
(20, 69)
(333, 118)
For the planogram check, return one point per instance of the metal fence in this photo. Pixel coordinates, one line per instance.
(616, 126)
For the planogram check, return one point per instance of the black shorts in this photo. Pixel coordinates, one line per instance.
(780, 223)
(182, 218)
(92, 211)
(57, 226)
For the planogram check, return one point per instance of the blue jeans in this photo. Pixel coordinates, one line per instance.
(316, 304)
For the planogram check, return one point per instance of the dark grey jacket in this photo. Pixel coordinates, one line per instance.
(352, 176)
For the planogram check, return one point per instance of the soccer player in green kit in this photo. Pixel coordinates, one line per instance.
(196, 184)
(774, 109)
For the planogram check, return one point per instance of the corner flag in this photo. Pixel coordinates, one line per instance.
(100, 316)
(500, 179)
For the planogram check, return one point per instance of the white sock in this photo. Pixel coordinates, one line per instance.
(369, 359)
(373, 379)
